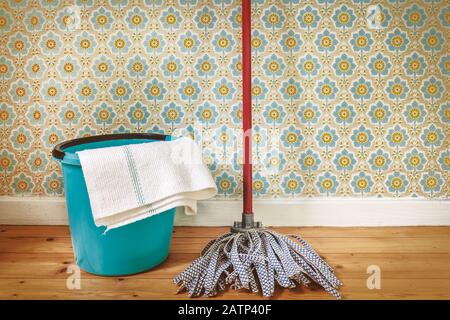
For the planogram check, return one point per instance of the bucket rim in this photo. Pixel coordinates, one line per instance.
(59, 153)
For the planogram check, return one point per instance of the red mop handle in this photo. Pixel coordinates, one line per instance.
(247, 103)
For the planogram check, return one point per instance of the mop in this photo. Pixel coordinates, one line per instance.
(250, 256)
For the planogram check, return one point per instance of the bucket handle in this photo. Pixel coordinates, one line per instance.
(58, 150)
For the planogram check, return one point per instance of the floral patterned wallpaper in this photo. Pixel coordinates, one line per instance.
(350, 98)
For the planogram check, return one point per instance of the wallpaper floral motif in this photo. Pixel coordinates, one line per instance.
(350, 98)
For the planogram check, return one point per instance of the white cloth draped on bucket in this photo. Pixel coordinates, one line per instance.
(133, 182)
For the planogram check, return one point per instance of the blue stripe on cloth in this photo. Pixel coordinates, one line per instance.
(133, 173)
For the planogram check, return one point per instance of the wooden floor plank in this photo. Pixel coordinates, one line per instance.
(329, 232)
(195, 245)
(164, 289)
(212, 232)
(403, 266)
(414, 264)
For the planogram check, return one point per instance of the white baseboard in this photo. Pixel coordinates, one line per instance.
(314, 212)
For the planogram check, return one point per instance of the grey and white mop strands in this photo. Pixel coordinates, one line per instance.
(257, 256)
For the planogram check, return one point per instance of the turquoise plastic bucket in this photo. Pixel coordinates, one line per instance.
(126, 250)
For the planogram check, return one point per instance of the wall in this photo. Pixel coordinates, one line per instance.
(354, 93)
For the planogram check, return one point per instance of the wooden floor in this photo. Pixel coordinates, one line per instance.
(414, 263)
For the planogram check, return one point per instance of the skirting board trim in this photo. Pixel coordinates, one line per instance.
(309, 212)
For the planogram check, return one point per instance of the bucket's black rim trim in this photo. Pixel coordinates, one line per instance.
(58, 150)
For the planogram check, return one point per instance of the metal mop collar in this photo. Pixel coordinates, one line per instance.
(250, 256)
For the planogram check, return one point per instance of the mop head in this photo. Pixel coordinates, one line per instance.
(255, 260)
